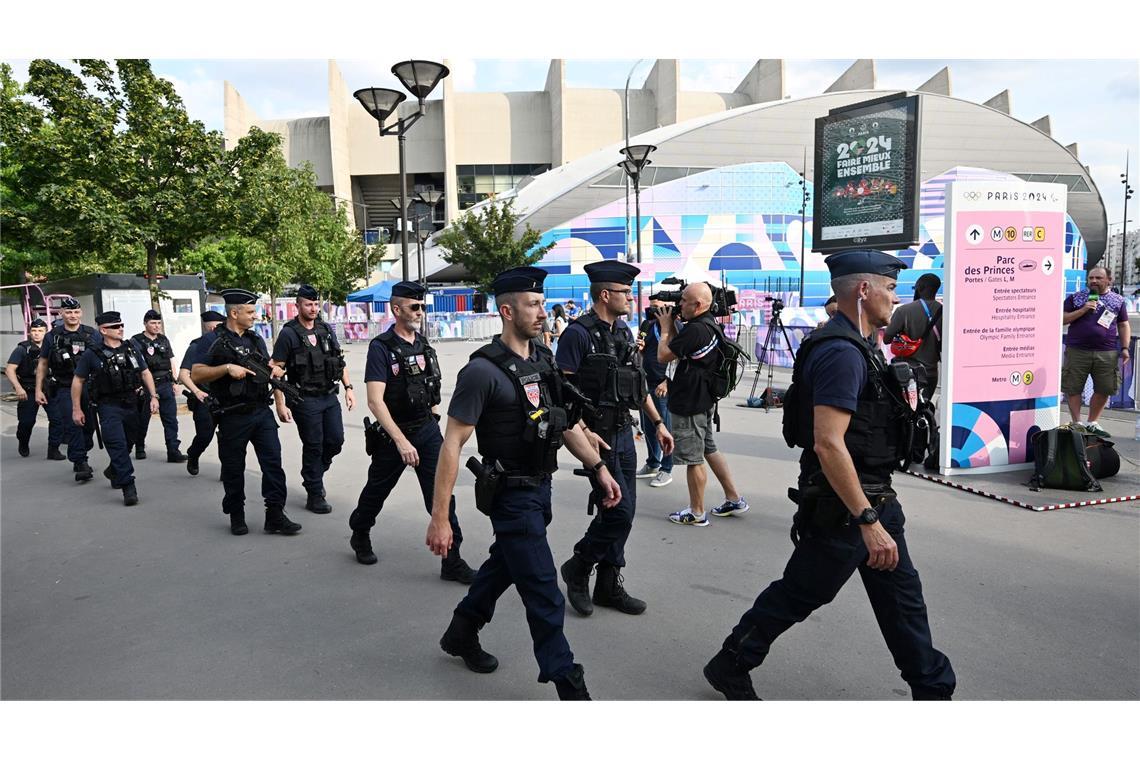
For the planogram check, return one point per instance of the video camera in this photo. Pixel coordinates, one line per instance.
(777, 305)
(723, 300)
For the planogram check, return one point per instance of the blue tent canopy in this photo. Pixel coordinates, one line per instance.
(379, 293)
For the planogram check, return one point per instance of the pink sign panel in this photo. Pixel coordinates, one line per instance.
(1002, 331)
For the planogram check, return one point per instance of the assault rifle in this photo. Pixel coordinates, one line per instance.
(258, 366)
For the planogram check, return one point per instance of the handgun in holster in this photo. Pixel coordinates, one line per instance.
(375, 436)
(489, 477)
(821, 508)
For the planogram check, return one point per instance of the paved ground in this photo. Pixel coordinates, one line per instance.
(159, 601)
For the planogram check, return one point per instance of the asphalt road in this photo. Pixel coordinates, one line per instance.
(159, 601)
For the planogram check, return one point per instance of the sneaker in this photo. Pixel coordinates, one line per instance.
(1080, 428)
(661, 479)
(647, 471)
(686, 517)
(731, 508)
(1096, 429)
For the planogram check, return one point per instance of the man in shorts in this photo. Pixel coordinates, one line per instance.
(1098, 336)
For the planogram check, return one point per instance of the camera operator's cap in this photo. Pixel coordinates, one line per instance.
(210, 315)
(308, 292)
(612, 271)
(109, 319)
(37, 322)
(408, 289)
(237, 296)
(69, 303)
(519, 280)
(150, 315)
(864, 261)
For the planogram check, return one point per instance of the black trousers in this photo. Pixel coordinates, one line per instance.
(167, 412)
(204, 426)
(26, 413)
(607, 533)
(79, 440)
(235, 433)
(118, 423)
(321, 429)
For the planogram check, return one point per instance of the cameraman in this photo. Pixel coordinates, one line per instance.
(658, 465)
(693, 342)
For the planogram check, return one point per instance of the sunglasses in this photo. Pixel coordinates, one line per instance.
(114, 327)
(413, 306)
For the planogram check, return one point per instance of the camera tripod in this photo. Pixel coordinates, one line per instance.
(769, 345)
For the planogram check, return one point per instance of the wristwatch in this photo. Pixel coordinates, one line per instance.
(348, 387)
(868, 517)
(658, 421)
(601, 463)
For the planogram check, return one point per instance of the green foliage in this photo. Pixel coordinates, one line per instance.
(483, 242)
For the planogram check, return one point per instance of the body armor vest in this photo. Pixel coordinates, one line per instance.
(525, 435)
(26, 369)
(317, 366)
(63, 348)
(120, 376)
(877, 434)
(414, 379)
(248, 391)
(611, 375)
(157, 353)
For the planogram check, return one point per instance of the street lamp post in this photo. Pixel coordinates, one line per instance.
(430, 198)
(418, 78)
(636, 159)
(1124, 229)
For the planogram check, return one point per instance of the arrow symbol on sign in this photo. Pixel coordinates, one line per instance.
(1048, 265)
(975, 233)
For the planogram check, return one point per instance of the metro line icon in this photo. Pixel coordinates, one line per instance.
(997, 234)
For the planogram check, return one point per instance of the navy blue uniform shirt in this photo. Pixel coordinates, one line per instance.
(90, 362)
(481, 384)
(198, 349)
(574, 344)
(381, 365)
(289, 341)
(836, 371)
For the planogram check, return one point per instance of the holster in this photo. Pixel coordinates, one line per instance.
(821, 509)
(375, 436)
(489, 478)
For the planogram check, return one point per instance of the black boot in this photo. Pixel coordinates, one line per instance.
(572, 686)
(724, 675)
(140, 452)
(175, 457)
(316, 504)
(277, 522)
(237, 523)
(24, 450)
(130, 495)
(576, 572)
(608, 591)
(83, 472)
(454, 568)
(461, 639)
(361, 543)
(192, 465)
(109, 474)
(54, 453)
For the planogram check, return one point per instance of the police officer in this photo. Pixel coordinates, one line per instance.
(21, 373)
(204, 422)
(598, 352)
(309, 353)
(510, 395)
(403, 382)
(244, 395)
(156, 349)
(118, 376)
(63, 346)
(849, 411)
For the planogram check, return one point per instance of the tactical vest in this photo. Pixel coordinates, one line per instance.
(26, 369)
(316, 367)
(120, 376)
(247, 391)
(158, 353)
(62, 354)
(414, 379)
(525, 435)
(610, 375)
(877, 434)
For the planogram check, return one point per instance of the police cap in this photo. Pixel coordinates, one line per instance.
(69, 303)
(37, 322)
(238, 296)
(406, 289)
(108, 318)
(210, 315)
(519, 280)
(612, 271)
(308, 292)
(152, 315)
(864, 261)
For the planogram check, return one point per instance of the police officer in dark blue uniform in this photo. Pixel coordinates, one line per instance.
(244, 416)
(118, 377)
(849, 411)
(21, 373)
(511, 396)
(308, 351)
(159, 354)
(63, 346)
(598, 353)
(196, 402)
(403, 381)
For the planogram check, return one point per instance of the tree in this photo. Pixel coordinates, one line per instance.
(108, 163)
(483, 242)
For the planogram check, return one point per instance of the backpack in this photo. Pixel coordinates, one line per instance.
(1060, 460)
(731, 363)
